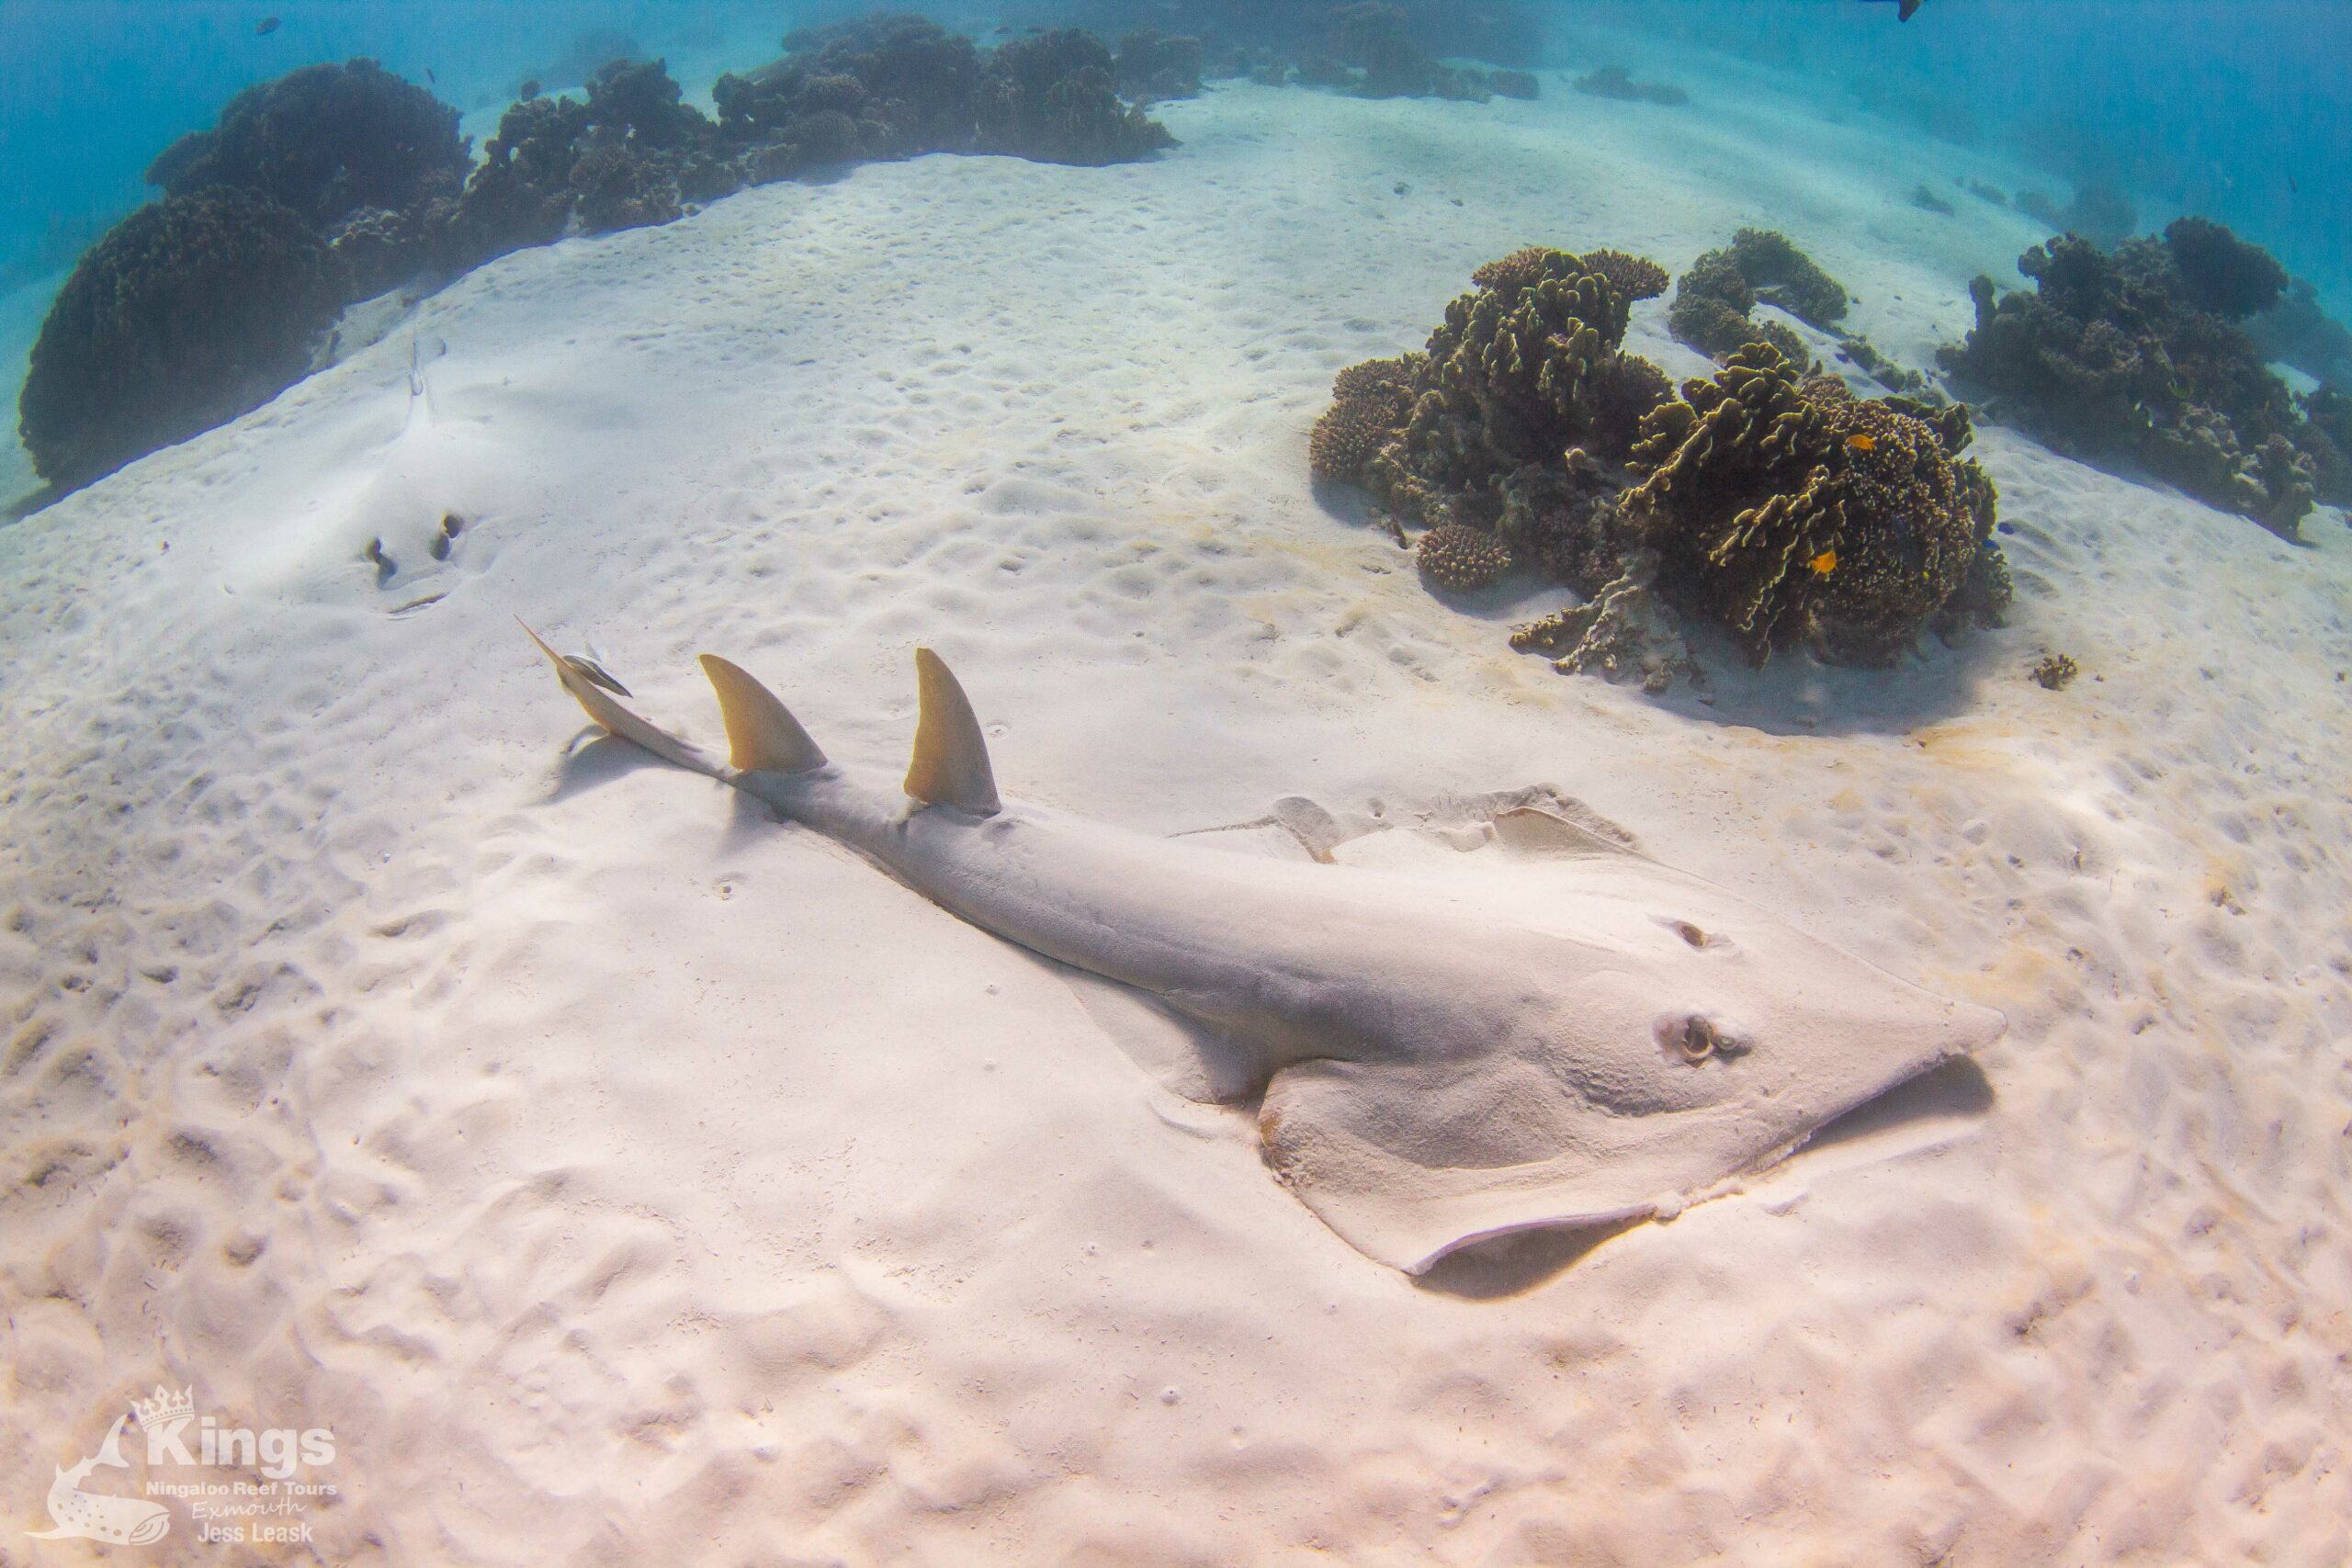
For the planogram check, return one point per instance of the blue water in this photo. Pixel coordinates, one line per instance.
(2187, 105)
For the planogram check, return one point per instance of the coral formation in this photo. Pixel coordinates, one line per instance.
(1152, 66)
(1370, 402)
(1786, 510)
(2296, 332)
(2056, 671)
(1523, 370)
(2099, 213)
(1790, 512)
(1463, 559)
(1621, 633)
(1785, 275)
(325, 141)
(2124, 357)
(1712, 301)
(1050, 97)
(363, 157)
(1613, 82)
(360, 183)
(2221, 273)
(189, 312)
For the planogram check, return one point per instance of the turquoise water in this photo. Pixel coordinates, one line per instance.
(2241, 112)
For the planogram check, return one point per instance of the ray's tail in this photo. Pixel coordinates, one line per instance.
(950, 766)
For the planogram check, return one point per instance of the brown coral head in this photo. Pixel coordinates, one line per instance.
(1635, 277)
(1520, 269)
(1462, 558)
(1371, 401)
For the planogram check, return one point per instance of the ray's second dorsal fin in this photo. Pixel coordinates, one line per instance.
(951, 761)
(761, 735)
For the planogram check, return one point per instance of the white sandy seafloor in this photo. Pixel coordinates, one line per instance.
(625, 1178)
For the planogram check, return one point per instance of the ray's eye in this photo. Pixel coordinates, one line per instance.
(1691, 933)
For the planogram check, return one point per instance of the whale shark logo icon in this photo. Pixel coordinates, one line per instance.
(101, 1516)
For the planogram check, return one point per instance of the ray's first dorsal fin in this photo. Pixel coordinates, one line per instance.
(951, 762)
(761, 735)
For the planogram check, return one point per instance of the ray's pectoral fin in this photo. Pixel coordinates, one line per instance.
(1411, 1164)
(1188, 1057)
(951, 761)
(593, 690)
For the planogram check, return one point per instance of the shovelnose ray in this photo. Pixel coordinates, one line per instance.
(1431, 1072)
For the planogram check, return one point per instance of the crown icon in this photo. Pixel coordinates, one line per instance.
(166, 1407)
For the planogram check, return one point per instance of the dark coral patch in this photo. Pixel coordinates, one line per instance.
(188, 313)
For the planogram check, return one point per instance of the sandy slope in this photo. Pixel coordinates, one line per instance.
(624, 1179)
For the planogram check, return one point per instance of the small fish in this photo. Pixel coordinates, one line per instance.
(1823, 564)
(595, 671)
(431, 77)
(266, 26)
(1904, 8)
(1863, 443)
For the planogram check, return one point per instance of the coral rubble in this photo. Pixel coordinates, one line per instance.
(2140, 355)
(1782, 508)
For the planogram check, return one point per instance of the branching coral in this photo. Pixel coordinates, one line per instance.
(1712, 301)
(1463, 559)
(1523, 370)
(1792, 513)
(1785, 510)
(1370, 402)
(2114, 357)
(1622, 632)
(1785, 275)
(187, 314)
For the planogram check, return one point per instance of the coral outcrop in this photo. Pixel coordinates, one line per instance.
(2139, 355)
(1050, 97)
(1463, 559)
(1711, 302)
(325, 141)
(1152, 66)
(358, 182)
(1784, 510)
(189, 312)
(1790, 512)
